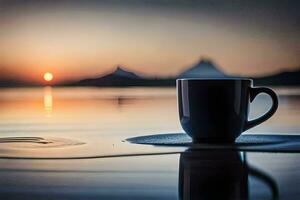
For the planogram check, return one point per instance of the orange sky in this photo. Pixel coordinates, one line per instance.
(78, 40)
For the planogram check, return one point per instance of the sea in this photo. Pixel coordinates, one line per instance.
(70, 143)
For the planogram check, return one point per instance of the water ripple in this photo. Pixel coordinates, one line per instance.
(36, 142)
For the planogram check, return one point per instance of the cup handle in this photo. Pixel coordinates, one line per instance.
(253, 93)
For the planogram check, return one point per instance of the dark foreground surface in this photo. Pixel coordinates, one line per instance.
(153, 177)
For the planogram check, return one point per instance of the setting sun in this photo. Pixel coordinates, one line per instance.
(48, 76)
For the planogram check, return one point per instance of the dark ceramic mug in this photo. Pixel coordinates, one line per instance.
(216, 110)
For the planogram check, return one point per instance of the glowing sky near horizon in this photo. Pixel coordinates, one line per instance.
(74, 39)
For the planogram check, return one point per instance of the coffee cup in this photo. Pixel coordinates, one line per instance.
(216, 110)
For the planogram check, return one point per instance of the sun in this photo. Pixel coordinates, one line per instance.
(48, 76)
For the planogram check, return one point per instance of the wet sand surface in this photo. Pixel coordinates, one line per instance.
(56, 143)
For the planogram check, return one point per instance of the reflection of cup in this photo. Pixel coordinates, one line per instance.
(212, 175)
(218, 174)
(216, 110)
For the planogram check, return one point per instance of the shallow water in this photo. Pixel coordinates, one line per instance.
(88, 122)
(101, 118)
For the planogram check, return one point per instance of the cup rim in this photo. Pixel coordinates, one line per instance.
(214, 79)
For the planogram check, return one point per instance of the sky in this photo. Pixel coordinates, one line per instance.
(74, 39)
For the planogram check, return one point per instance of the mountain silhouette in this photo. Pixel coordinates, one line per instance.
(13, 82)
(205, 68)
(9, 83)
(283, 78)
(118, 77)
(124, 78)
(120, 72)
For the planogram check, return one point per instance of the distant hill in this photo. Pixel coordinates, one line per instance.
(4, 82)
(118, 77)
(123, 78)
(8, 83)
(205, 68)
(119, 72)
(283, 78)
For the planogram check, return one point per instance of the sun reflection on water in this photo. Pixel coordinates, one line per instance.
(48, 101)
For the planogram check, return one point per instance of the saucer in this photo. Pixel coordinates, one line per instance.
(246, 142)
